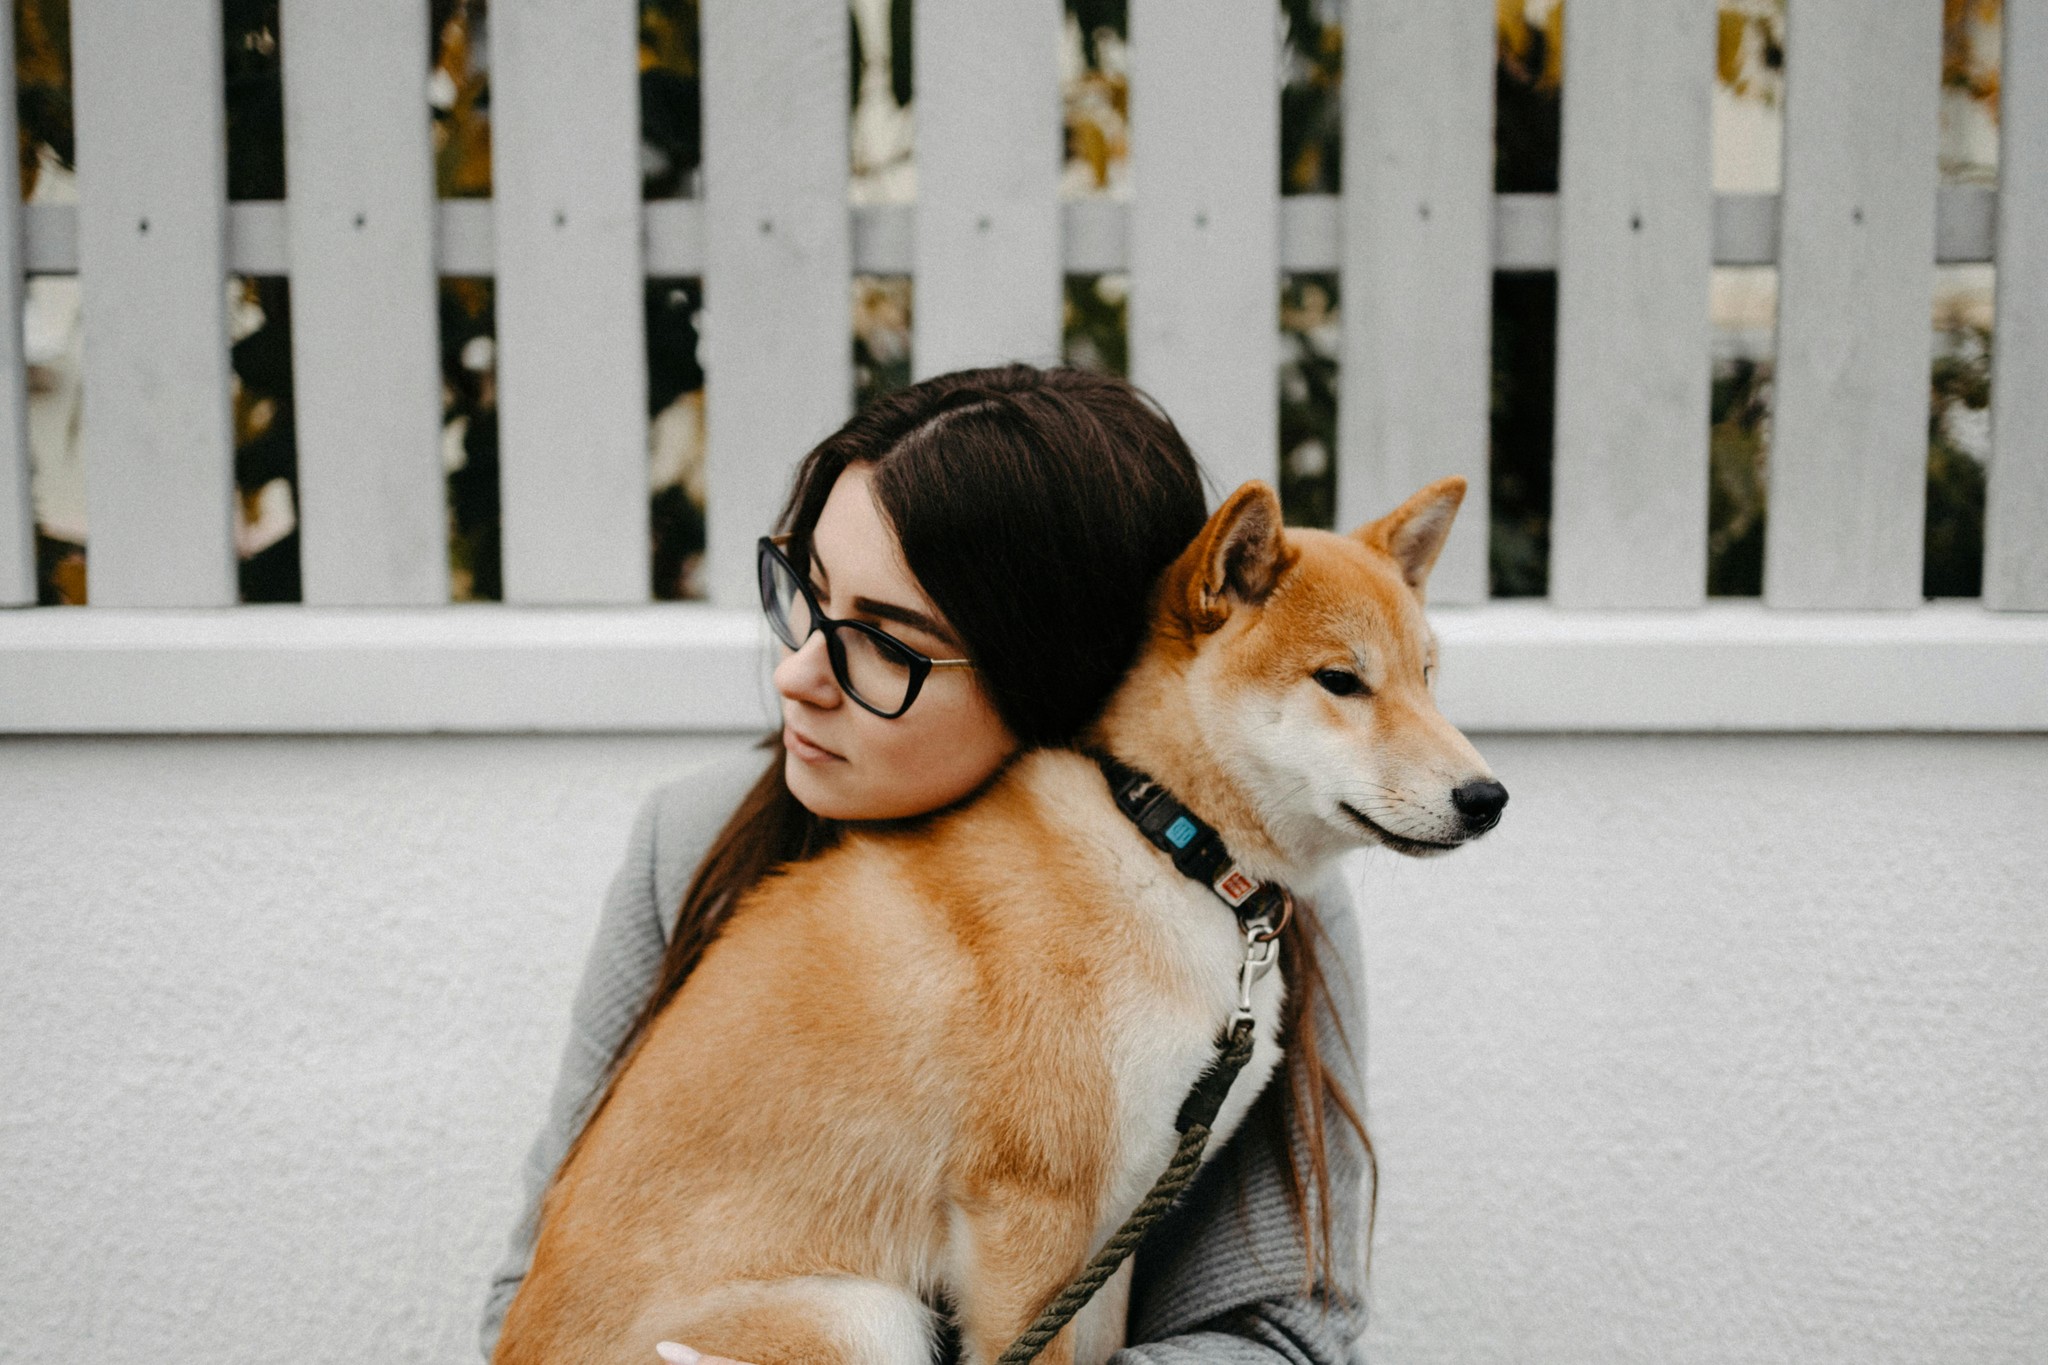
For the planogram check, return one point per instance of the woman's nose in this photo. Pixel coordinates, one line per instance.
(805, 673)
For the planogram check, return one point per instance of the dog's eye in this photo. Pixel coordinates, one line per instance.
(1339, 682)
(1429, 675)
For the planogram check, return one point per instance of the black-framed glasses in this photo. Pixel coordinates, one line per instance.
(872, 666)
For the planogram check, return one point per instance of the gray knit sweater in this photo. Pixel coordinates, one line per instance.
(1216, 1280)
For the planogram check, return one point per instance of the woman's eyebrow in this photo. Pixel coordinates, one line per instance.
(917, 620)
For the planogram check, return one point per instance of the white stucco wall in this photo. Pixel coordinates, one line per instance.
(1720, 1049)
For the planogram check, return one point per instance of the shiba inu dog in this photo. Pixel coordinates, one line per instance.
(948, 1054)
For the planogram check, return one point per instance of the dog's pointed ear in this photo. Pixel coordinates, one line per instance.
(1413, 533)
(1238, 557)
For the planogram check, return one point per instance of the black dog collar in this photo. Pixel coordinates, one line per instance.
(1195, 847)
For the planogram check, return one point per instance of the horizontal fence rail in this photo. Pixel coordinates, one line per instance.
(1415, 240)
(1094, 236)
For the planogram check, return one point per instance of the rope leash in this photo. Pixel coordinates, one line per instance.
(1263, 910)
(1197, 1117)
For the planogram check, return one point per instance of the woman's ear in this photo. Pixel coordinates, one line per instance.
(1238, 557)
(1413, 533)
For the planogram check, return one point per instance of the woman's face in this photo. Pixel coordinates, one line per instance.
(844, 762)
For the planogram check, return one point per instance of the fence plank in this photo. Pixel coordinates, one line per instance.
(572, 351)
(155, 426)
(778, 263)
(1205, 227)
(1636, 245)
(1417, 270)
(2016, 502)
(988, 192)
(365, 337)
(1849, 434)
(17, 513)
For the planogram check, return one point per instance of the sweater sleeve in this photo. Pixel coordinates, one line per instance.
(675, 826)
(1219, 1278)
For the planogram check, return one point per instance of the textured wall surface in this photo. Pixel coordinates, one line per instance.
(1719, 1049)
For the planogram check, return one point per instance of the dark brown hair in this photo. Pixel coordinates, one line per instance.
(1036, 508)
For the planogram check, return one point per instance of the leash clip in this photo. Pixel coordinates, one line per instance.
(1261, 949)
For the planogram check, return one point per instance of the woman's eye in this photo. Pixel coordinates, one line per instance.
(1339, 682)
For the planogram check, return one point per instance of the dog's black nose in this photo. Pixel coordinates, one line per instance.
(1480, 803)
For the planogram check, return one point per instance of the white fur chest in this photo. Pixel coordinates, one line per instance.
(1163, 957)
(1158, 1042)
(1174, 952)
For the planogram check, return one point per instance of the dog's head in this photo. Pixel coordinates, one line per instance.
(1286, 691)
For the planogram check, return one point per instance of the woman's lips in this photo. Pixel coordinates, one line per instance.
(805, 749)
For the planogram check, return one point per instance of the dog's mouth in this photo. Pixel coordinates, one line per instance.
(1400, 843)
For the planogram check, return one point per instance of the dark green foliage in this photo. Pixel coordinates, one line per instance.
(60, 572)
(1093, 335)
(254, 71)
(675, 536)
(876, 372)
(1527, 121)
(468, 311)
(669, 128)
(1311, 103)
(1736, 488)
(671, 104)
(473, 547)
(675, 520)
(900, 84)
(1522, 403)
(672, 365)
(42, 83)
(856, 60)
(1522, 419)
(1308, 404)
(1092, 15)
(266, 448)
(1953, 565)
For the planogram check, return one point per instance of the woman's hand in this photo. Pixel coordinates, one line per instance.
(675, 1353)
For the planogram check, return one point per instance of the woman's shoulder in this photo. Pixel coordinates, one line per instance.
(680, 818)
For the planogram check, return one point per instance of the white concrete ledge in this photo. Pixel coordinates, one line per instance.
(1507, 666)
(1524, 666)
(483, 668)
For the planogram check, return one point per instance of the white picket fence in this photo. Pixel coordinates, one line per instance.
(1626, 640)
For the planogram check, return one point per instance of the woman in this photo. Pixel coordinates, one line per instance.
(996, 531)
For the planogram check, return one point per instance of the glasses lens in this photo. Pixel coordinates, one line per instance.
(782, 598)
(876, 671)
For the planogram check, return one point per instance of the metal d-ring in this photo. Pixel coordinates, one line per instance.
(1272, 931)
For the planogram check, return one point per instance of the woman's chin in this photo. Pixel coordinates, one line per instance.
(815, 792)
